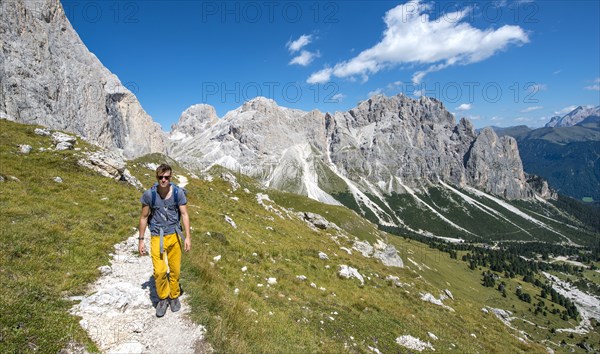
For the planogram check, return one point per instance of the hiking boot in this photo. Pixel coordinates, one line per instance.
(175, 304)
(161, 307)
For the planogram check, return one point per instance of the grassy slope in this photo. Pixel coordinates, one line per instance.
(291, 316)
(42, 262)
(54, 237)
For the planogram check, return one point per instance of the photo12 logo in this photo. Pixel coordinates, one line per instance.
(282, 92)
(95, 11)
(470, 91)
(269, 11)
(489, 11)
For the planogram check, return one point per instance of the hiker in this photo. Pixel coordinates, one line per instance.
(164, 208)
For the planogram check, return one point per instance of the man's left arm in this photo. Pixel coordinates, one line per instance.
(185, 218)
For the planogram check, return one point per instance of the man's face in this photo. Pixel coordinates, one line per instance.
(164, 178)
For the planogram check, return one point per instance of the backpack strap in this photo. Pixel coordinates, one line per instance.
(178, 228)
(153, 190)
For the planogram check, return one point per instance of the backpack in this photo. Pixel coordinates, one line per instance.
(176, 191)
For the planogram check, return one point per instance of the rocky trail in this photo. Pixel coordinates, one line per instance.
(119, 311)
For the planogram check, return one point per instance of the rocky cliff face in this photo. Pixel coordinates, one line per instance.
(397, 142)
(493, 164)
(48, 77)
(384, 145)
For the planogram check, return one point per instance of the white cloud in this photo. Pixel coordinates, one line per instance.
(304, 58)
(320, 77)
(375, 92)
(294, 46)
(556, 72)
(464, 107)
(531, 109)
(338, 97)
(565, 110)
(595, 86)
(412, 38)
(474, 117)
(521, 119)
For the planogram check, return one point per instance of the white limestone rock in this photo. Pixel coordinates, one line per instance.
(230, 221)
(118, 297)
(25, 149)
(105, 269)
(231, 179)
(364, 247)
(432, 299)
(395, 280)
(414, 343)
(59, 137)
(348, 272)
(109, 164)
(389, 257)
(318, 221)
(42, 131)
(63, 145)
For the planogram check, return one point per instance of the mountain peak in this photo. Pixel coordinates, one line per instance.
(574, 117)
(261, 104)
(194, 120)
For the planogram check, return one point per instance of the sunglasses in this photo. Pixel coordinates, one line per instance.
(163, 177)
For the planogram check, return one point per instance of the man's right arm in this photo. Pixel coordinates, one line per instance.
(142, 228)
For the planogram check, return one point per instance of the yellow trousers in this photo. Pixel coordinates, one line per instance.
(166, 286)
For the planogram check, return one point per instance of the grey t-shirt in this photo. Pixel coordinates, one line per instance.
(164, 214)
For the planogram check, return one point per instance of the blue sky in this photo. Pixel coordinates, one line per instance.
(498, 63)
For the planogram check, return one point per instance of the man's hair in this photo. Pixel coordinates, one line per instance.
(163, 168)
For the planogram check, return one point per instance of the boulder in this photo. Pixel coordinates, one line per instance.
(389, 257)
(25, 149)
(318, 221)
(111, 165)
(348, 272)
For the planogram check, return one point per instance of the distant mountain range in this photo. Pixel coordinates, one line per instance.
(574, 117)
(566, 152)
